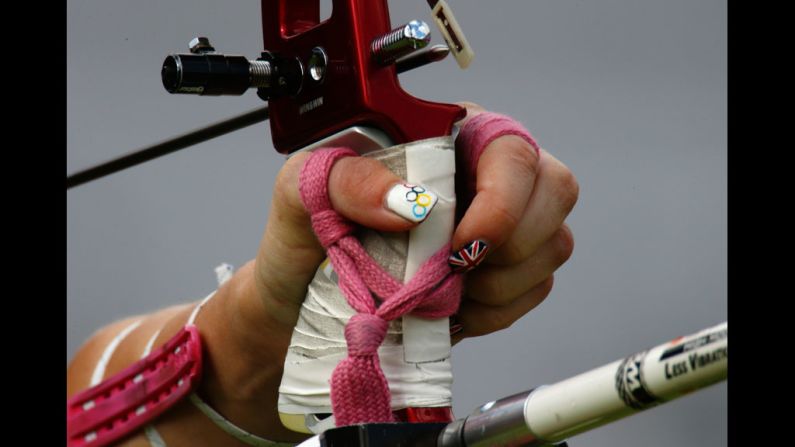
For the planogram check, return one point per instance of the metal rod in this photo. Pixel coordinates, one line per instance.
(420, 58)
(166, 147)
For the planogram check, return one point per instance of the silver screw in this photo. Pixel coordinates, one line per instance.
(200, 45)
(259, 73)
(400, 42)
(318, 62)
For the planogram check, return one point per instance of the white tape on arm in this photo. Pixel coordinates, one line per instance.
(99, 370)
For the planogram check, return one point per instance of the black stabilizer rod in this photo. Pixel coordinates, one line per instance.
(166, 147)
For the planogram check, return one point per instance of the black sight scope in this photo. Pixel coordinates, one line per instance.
(206, 74)
(214, 74)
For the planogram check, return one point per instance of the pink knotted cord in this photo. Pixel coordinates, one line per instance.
(359, 389)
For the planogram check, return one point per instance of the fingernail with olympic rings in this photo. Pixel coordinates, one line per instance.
(412, 202)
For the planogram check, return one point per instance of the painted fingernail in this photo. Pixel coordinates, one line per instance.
(412, 202)
(456, 328)
(469, 256)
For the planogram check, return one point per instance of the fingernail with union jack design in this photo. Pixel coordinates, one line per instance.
(469, 256)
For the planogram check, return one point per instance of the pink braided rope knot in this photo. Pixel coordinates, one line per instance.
(475, 135)
(364, 334)
(359, 389)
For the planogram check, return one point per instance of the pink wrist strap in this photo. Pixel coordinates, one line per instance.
(359, 389)
(132, 398)
(473, 138)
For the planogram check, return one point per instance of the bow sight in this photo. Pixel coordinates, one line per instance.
(318, 77)
(205, 72)
(321, 77)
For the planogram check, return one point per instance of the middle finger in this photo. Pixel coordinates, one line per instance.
(552, 199)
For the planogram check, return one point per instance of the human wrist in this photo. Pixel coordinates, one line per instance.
(262, 326)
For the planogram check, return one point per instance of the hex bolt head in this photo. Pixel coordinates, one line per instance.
(418, 31)
(200, 45)
(400, 42)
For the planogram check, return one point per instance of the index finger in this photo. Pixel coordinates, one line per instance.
(505, 177)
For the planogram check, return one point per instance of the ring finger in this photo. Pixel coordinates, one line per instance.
(498, 285)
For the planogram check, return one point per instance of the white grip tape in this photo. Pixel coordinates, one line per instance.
(429, 340)
(415, 355)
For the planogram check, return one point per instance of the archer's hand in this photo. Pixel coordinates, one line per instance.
(522, 198)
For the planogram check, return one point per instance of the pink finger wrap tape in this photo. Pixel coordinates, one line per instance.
(473, 138)
(359, 389)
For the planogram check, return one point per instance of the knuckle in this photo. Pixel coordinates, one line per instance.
(504, 216)
(521, 156)
(513, 251)
(501, 318)
(568, 189)
(357, 176)
(517, 156)
(291, 169)
(358, 179)
(546, 286)
(285, 189)
(482, 288)
(495, 293)
(564, 244)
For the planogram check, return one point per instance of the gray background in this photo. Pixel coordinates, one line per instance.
(630, 94)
